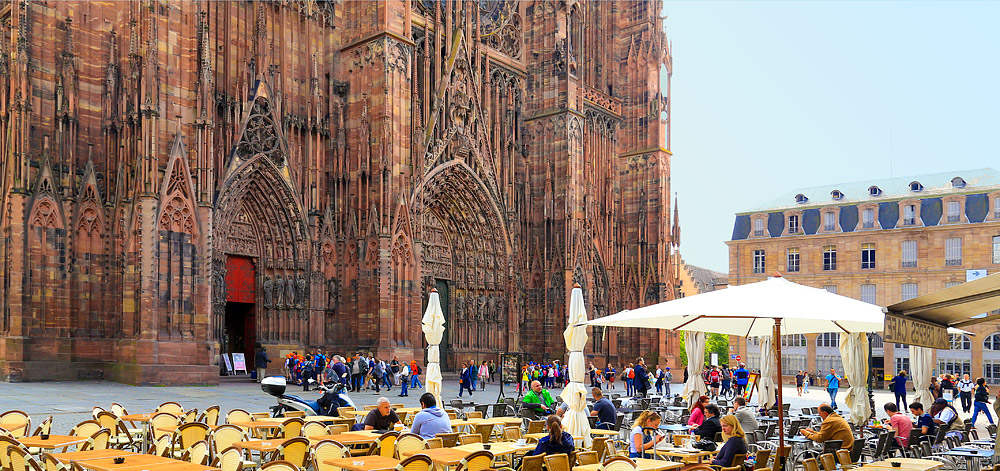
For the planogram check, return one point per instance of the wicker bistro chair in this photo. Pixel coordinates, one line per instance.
(289, 414)
(238, 415)
(17, 417)
(230, 459)
(21, 460)
(291, 428)
(536, 426)
(328, 450)
(190, 416)
(5, 443)
(435, 442)
(50, 463)
(587, 457)
(477, 461)
(338, 428)
(342, 411)
(162, 420)
(161, 446)
(558, 462)
(448, 440)
(828, 461)
(485, 431)
(198, 453)
(210, 416)
(224, 436)
(474, 415)
(171, 408)
(44, 428)
(97, 441)
(532, 463)
(511, 434)
(844, 459)
(294, 450)
(312, 429)
(190, 433)
(761, 461)
(470, 439)
(409, 442)
(599, 447)
(617, 463)
(279, 466)
(385, 445)
(416, 463)
(810, 464)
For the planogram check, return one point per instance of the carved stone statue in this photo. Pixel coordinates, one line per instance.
(300, 301)
(332, 293)
(279, 292)
(290, 291)
(268, 292)
(481, 311)
(459, 306)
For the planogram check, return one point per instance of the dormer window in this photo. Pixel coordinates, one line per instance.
(836, 195)
(916, 186)
(874, 191)
(958, 182)
(800, 198)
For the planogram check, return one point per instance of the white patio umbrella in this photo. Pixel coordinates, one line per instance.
(768, 390)
(694, 346)
(854, 354)
(432, 325)
(921, 364)
(774, 306)
(575, 419)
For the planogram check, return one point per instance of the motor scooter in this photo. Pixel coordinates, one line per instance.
(327, 404)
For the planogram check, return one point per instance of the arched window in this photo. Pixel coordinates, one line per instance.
(828, 339)
(916, 186)
(992, 342)
(800, 198)
(960, 342)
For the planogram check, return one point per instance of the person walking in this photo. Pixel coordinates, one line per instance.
(668, 377)
(805, 382)
(484, 375)
(965, 386)
(799, 377)
(982, 398)
(833, 386)
(899, 389)
(641, 384)
(742, 375)
(404, 379)
(465, 382)
(415, 375)
(260, 361)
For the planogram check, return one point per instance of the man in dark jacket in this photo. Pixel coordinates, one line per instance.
(711, 425)
(468, 373)
(641, 378)
(260, 361)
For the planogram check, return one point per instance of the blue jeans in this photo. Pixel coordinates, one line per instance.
(833, 397)
(980, 406)
(415, 382)
(403, 384)
(386, 381)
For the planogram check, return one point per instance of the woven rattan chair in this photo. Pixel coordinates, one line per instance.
(557, 462)
(198, 453)
(370, 407)
(469, 439)
(342, 411)
(44, 428)
(210, 416)
(259, 415)
(190, 433)
(50, 463)
(161, 446)
(844, 458)
(474, 415)
(385, 445)
(279, 466)
(449, 440)
(170, 408)
(97, 441)
(190, 416)
(312, 429)
(160, 421)
(477, 461)
(230, 459)
(536, 426)
(224, 436)
(762, 457)
(617, 463)
(435, 442)
(21, 460)
(291, 428)
(5, 443)
(599, 446)
(511, 434)
(415, 463)
(409, 442)
(828, 461)
(328, 450)
(485, 431)
(294, 450)
(810, 464)
(338, 428)
(289, 414)
(533, 463)
(587, 457)
(14, 417)
(238, 415)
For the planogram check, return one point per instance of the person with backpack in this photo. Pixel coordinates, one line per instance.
(629, 378)
(742, 375)
(714, 380)
(404, 380)
(668, 377)
(308, 372)
(609, 375)
(319, 366)
(659, 380)
(727, 379)
(415, 375)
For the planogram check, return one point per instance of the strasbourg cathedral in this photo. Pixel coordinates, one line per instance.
(182, 179)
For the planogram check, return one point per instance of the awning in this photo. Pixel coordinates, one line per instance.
(923, 320)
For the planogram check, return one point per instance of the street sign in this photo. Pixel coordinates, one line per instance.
(974, 274)
(910, 331)
(734, 357)
(739, 358)
(715, 358)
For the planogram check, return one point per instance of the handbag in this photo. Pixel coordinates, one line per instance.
(704, 444)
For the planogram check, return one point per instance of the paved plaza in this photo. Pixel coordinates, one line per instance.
(71, 402)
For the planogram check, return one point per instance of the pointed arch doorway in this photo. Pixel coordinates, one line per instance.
(240, 316)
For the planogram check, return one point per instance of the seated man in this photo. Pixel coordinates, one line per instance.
(900, 424)
(431, 420)
(605, 411)
(381, 418)
(711, 426)
(924, 421)
(539, 399)
(745, 415)
(834, 427)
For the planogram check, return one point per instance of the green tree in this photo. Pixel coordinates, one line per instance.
(714, 343)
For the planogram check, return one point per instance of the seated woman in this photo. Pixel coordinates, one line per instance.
(735, 444)
(698, 412)
(557, 440)
(638, 441)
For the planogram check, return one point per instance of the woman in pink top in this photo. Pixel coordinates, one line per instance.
(698, 412)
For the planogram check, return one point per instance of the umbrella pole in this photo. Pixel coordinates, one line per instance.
(781, 403)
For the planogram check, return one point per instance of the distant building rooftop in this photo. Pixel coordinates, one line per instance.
(882, 190)
(706, 280)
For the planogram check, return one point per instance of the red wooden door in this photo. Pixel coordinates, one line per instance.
(241, 280)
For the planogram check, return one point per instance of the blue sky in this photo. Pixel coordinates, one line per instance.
(772, 96)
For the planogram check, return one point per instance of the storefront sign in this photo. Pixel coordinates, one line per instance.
(909, 331)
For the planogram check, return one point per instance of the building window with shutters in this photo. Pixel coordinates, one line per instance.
(953, 251)
(909, 253)
(910, 215)
(868, 218)
(830, 258)
(758, 227)
(954, 211)
(868, 293)
(909, 291)
(867, 256)
(758, 261)
(792, 261)
(793, 224)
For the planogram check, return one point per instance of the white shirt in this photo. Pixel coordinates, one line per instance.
(945, 415)
(965, 385)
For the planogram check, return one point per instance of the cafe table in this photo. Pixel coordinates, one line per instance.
(91, 455)
(540, 435)
(641, 464)
(260, 446)
(685, 454)
(442, 457)
(364, 463)
(601, 431)
(13, 427)
(308, 418)
(498, 448)
(54, 441)
(142, 461)
(906, 464)
(349, 438)
(972, 456)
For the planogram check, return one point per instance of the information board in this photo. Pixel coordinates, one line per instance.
(510, 368)
(910, 331)
(751, 386)
(229, 364)
(239, 363)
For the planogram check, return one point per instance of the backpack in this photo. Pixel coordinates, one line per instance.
(714, 376)
(320, 362)
(631, 373)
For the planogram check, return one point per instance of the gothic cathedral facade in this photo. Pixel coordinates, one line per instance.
(182, 179)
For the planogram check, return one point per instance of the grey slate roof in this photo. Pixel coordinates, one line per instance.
(934, 184)
(705, 279)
